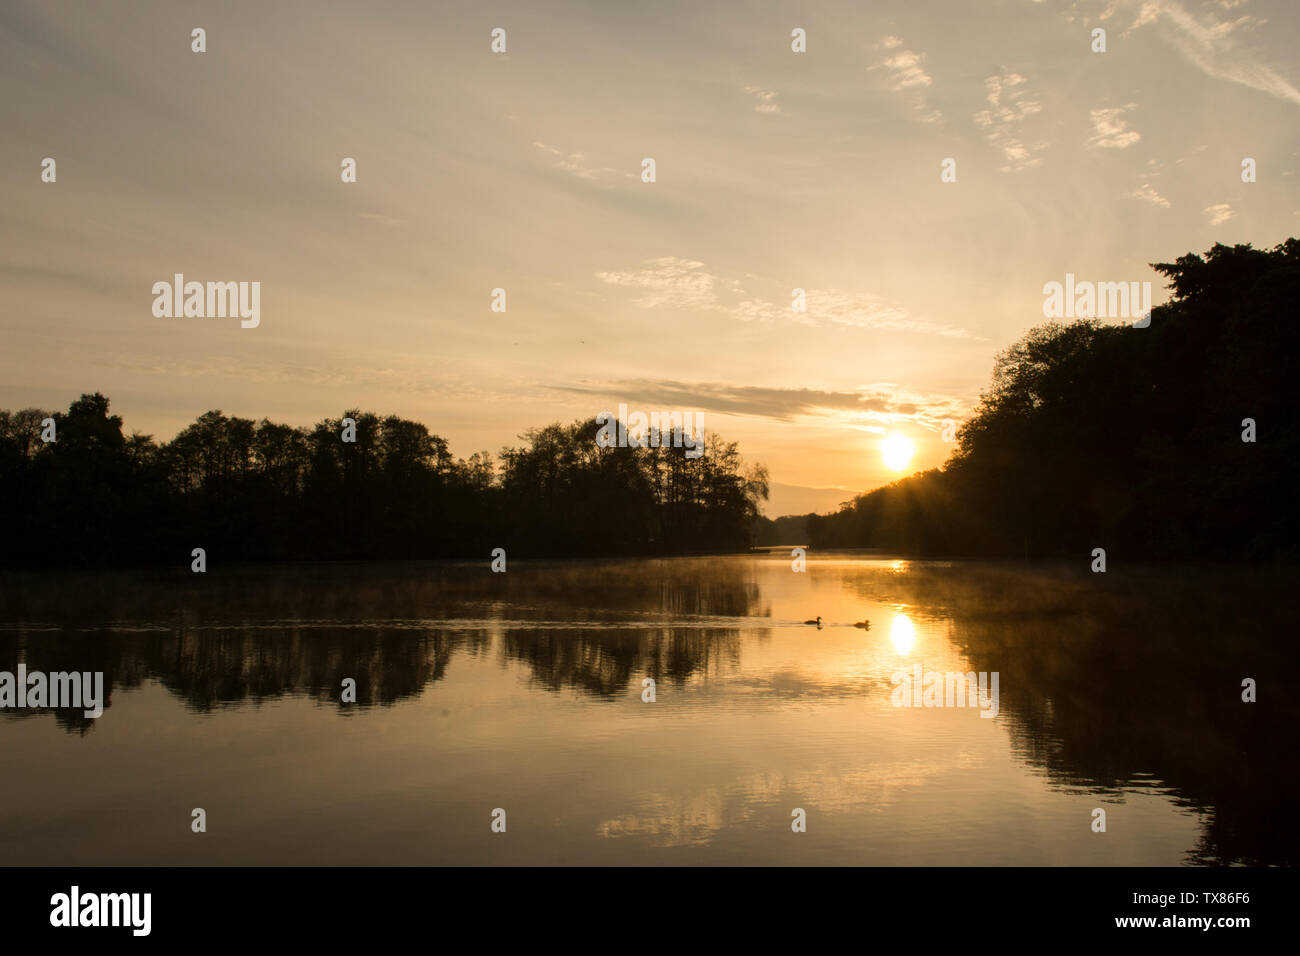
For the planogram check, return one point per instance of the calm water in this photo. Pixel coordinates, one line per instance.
(523, 691)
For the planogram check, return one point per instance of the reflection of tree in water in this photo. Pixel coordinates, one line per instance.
(209, 669)
(604, 663)
(52, 652)
(1122, 683)
(197, 637)
(241, 635)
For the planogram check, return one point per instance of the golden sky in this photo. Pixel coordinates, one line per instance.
(775, 170)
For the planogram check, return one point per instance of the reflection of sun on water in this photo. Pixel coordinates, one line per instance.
(902, 633)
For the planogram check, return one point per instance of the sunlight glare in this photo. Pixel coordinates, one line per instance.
(897, 451)
(902, 633)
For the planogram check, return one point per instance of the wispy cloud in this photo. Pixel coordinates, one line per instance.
(1010, 104)
(1110, 129)
(684, 283)
(1209, 43)
(1218, 213)
(766, 100)
(575, 163)
(908, 77)
(880, 401)
(1147, 193)
(835, 307)
(668, 281)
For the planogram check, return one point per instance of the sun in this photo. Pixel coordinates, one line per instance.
(897, 451)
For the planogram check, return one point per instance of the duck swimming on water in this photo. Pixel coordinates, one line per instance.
(818, 622)
(865, 625)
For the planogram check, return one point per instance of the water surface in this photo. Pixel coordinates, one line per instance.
(523, 691)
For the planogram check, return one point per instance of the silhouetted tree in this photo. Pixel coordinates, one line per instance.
(1093, 435)
(246, 490)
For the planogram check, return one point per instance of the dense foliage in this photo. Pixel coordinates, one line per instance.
(1124, 438)
(246, 490)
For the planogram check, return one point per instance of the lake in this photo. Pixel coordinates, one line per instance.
(523, 692)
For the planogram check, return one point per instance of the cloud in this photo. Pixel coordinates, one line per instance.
(1148, 193)
(683, 283)
(1209, 44)
(908, 78)
(765, 99)
(881, 401)
(1110, 129)
(906, 71)
(668, 281)
(1010, 102)
(865, 310)
(1218, 214)
(1181, 160)
(575, 163)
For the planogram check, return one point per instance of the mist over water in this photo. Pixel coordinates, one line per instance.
(523, 691)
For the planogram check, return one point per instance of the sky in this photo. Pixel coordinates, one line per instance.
(522, 171)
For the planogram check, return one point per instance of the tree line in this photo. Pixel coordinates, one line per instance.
(1174, 441)
(250, 490)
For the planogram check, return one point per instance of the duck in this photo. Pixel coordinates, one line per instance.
(865, 625)
(818, 622)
